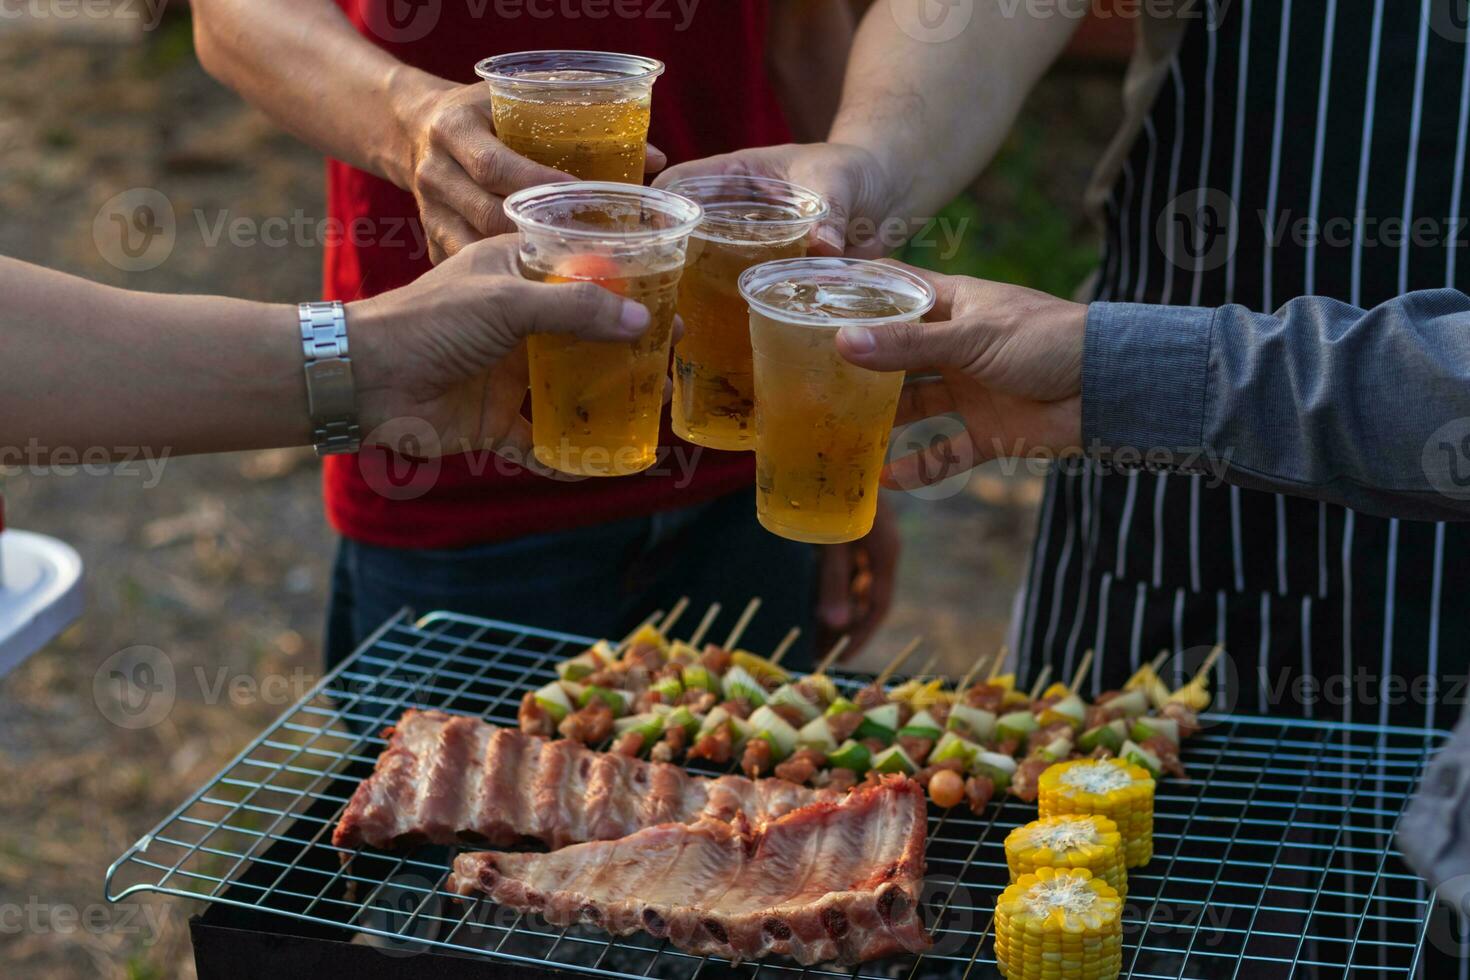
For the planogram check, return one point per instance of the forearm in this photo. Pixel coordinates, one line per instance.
(91, 369)
(1319, 399)
(807, 45)
(304, 65)
(934, 112)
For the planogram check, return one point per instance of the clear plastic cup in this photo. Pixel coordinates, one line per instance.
(595, 406)
(585, 113)
(822, 423)
(747, 221)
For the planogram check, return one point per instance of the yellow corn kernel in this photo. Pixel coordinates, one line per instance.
(1062, 924)
(1120, 791)
(1071, 841)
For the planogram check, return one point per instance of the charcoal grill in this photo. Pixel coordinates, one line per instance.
(1276, 858)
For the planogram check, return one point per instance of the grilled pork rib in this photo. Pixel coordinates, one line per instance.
(828, 882)
(447, 778)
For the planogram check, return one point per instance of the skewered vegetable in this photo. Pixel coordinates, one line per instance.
(953, 746)
(998, 768)
(851, 755)
(817, 734)
(1071, 841)
(894, 759)
(554, 701)
(1016, 725)
(1141, 757)
(774, 729)
(922, 725)
(1110, 735)
(740, 684)
(881, 722)
(1057, 924)
(1120, 791)
(977, 723)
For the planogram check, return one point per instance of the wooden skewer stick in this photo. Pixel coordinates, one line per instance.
(750, 610)
(785, 644)
(648, 621)
(674, 614)
(1157, 664)
(1204, 668)
(928, 669)
(964, 684)
(898, 661)
(997, 664)
(1041, 682)
(710, 615)
(832, 655)
(1081, 672)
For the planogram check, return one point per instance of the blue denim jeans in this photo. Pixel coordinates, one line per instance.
(597, 581)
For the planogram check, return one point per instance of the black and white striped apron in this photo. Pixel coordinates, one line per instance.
(1271, 120)
(1303, 114)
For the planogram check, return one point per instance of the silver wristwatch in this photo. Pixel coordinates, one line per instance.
(331, 396)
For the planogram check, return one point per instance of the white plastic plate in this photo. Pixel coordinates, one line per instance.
(40, 593)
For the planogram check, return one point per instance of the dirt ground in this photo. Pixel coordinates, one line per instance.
(222, 563)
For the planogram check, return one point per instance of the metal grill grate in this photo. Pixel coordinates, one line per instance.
(1276, 855)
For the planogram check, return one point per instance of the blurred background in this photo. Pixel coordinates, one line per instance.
(222, 563)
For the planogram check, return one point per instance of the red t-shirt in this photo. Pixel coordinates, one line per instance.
(715, 97)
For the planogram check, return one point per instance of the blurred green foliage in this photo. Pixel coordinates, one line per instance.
(1015, 227)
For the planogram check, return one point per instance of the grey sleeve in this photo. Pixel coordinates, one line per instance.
(1365, 408)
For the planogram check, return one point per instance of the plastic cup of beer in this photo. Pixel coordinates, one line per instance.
(747, 221)
(596, 406)
(822, 423)
(584, 113)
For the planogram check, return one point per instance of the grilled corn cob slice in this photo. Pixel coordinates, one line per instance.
(1059, 925)
(1120, 791)
(1072, 841)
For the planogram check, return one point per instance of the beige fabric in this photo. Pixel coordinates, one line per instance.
(1159, 27)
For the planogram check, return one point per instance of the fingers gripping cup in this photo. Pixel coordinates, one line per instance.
(595, 406)
(585, 113)
(822, 423)
(747, 221)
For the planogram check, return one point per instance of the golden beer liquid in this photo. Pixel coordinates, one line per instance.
(589, 134)
(822, 428)
(596, 406)
(714, 381)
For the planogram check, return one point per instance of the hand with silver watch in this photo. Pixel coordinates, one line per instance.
(92, 372)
